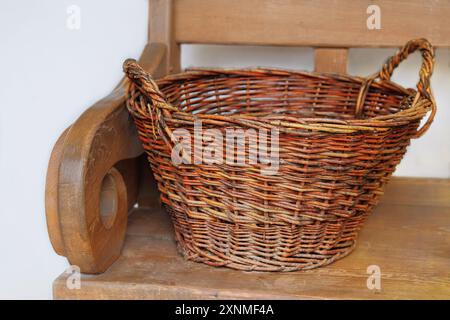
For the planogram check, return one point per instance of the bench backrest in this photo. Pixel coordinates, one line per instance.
(330, 26)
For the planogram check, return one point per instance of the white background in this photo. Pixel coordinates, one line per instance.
(50, 74)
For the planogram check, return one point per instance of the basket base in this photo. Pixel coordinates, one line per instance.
(297, 263)
(257, 253)
(265, 248)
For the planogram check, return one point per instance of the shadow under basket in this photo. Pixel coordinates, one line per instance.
(327, 144)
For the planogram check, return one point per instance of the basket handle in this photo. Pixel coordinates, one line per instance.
(423, 86)
(143, 81)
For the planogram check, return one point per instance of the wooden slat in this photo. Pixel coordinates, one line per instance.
(161, 30)
(319, 23)
(330, 60)
(410, 244)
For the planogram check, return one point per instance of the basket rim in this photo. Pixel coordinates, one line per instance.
(414, 112)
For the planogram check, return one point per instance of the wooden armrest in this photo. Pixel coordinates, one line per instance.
(88, 192)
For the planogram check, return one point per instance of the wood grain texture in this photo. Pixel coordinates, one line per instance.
(418, 192)
(130, 171)
(332, 60)
(52, 197)
(410, 243)
(161, 30)
(320, 23)
(101, 137)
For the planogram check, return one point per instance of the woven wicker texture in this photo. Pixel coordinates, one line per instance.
(340, 139)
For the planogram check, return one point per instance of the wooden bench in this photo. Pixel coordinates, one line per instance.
(97, 174)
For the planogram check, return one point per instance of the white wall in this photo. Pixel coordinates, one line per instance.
(50, 74)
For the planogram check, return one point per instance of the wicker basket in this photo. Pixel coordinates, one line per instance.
(340, 138)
